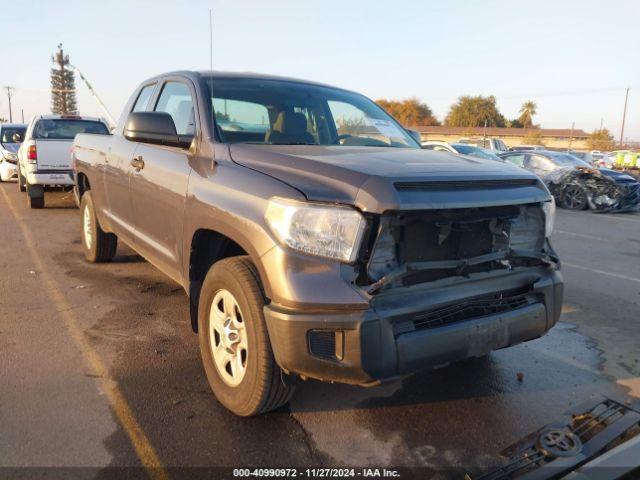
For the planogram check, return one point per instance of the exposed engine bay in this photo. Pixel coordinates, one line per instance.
(424, 246)
(603, 193)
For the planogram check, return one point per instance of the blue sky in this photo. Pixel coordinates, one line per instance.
(573, 58)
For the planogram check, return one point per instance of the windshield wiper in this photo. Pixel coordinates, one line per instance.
(292, 143)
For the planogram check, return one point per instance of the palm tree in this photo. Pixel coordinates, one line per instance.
(527, 111)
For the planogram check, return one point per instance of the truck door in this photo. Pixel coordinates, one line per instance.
(159, 183)
(117, 174)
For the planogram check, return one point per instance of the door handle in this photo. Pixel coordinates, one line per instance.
(137, 163)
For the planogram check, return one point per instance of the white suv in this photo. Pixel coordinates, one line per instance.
(44, 158)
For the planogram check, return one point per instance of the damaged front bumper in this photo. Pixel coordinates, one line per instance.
(417, 327)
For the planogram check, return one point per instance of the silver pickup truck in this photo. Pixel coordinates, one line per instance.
(312, 234)
(44, 156)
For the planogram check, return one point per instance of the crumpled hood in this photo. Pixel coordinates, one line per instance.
(378, 179)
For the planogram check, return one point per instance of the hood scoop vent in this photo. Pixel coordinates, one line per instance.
(464, 184)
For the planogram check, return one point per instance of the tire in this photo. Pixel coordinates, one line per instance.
(36, 202)
(260, 388)
(21, 182)
(98, 245)
(574, 197)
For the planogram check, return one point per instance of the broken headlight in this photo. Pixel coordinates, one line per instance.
(330, 231)
(549, 209)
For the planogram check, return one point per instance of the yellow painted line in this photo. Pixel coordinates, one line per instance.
(139, 439)
(601, 272)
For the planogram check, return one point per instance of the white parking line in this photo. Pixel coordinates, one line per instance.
(634, 219)
(582, 235)
(601, 272)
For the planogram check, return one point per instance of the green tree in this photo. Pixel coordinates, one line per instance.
(409, 112)
(513, 123)
(471, 111)
(601, 140)
(527, 111)
(3, 120)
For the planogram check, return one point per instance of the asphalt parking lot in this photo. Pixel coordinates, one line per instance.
(99, 367)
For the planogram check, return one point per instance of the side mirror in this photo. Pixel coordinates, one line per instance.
(416, 136)
(156, 128)
(17, 138)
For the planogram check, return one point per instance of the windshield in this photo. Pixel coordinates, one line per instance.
(8, 132)
(67, 129)
(474, 151)
(564, 159)
(279, 112)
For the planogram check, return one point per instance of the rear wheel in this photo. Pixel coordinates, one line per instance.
(234, 342)
(36, 202)
(574, 198)
(98, 245)
(35, 195)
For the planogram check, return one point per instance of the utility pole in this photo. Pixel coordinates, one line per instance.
(573, 124)
(484, 135)
(624, 115)
(63, 90)
(22, 112)
(9, 92)
(601, 123)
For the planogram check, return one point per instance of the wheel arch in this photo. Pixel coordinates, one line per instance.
(83, 184)
(207, 247)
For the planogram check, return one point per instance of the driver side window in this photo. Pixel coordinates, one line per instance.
(176, 100)
(539, 164)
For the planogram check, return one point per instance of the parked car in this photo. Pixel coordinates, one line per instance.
(329, 246)
(521, 148)
(601, 159)
(11, 136)
(44, 158)
(487, 143)
(461, 149)
(576, 185)
(586, 157)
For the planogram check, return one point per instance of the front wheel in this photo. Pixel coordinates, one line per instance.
(98, 245)
(234, 342)
(574, 197)
(22, 184)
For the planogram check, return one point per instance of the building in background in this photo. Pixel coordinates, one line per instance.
(554, 138)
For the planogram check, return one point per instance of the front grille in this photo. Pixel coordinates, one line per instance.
(468, 309)
(590, 430)
(464, 184)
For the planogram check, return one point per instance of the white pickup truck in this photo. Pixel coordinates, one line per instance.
(44, 158)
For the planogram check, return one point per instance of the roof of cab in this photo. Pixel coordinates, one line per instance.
(69, 117)
(218, 74)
